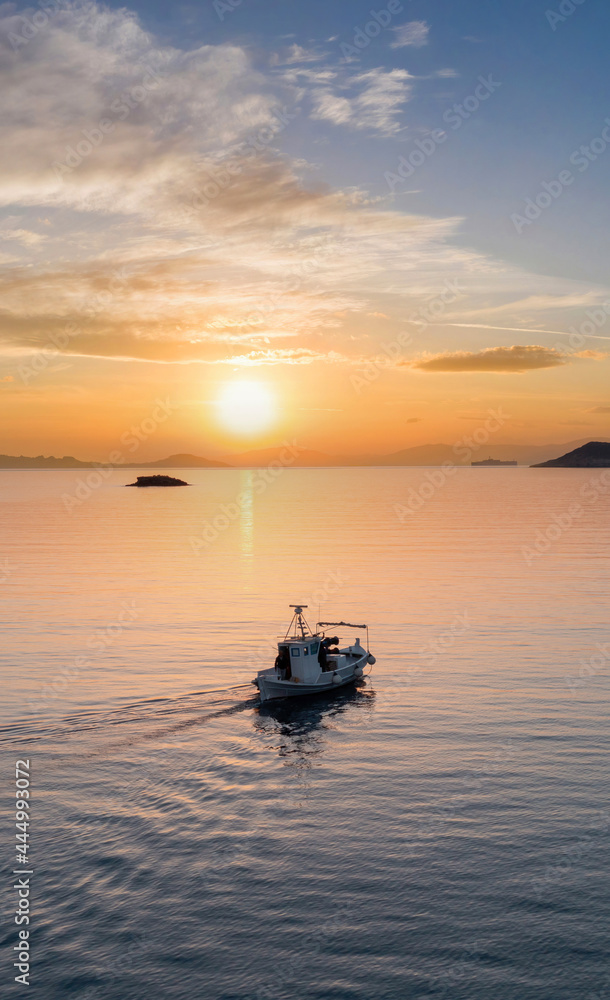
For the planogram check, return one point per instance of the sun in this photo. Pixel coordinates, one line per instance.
(245, 407)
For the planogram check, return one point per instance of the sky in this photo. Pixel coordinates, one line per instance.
(362, 228)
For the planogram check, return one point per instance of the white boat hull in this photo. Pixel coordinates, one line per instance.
(350, 667)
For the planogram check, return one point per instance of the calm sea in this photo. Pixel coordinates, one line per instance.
(441, 831)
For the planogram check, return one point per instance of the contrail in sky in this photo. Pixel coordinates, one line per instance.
(518, 329)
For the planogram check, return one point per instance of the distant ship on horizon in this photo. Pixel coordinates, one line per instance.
(494, 461)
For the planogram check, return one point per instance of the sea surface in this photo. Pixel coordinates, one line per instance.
(439, 831)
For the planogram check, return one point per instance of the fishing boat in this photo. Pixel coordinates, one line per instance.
(311, 662)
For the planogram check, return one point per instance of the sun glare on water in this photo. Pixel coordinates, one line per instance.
(246, 407)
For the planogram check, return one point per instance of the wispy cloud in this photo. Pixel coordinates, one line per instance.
(297, 54)
(23, 236)
(225, 247)
(371, 100)
(414, 34)
(294, 356)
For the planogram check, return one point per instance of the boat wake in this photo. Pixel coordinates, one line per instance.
(194, 708)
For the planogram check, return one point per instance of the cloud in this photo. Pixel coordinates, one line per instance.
(537, 302)
(298, 54)
(184, 233)
(599, 409)
(294, 356)
(23, 236)
(414, 33)
(168, 112)
(376, 105)
(592, 355)
(333, 108)
(492, 359)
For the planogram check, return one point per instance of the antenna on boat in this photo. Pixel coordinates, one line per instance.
(298, 620)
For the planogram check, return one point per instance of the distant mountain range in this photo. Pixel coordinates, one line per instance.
(421, 455)
(593, 455)
(67, 462)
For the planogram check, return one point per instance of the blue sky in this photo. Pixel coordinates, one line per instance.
(245, 210)
(554, 97)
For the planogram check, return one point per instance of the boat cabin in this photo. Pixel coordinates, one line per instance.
(298, 659)
(302, 658)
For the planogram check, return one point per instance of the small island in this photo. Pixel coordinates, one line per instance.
(158, 481)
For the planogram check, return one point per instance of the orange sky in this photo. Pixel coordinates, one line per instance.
(170, 258)
(178, 408)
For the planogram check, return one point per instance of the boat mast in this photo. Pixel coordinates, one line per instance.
(300, 621)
